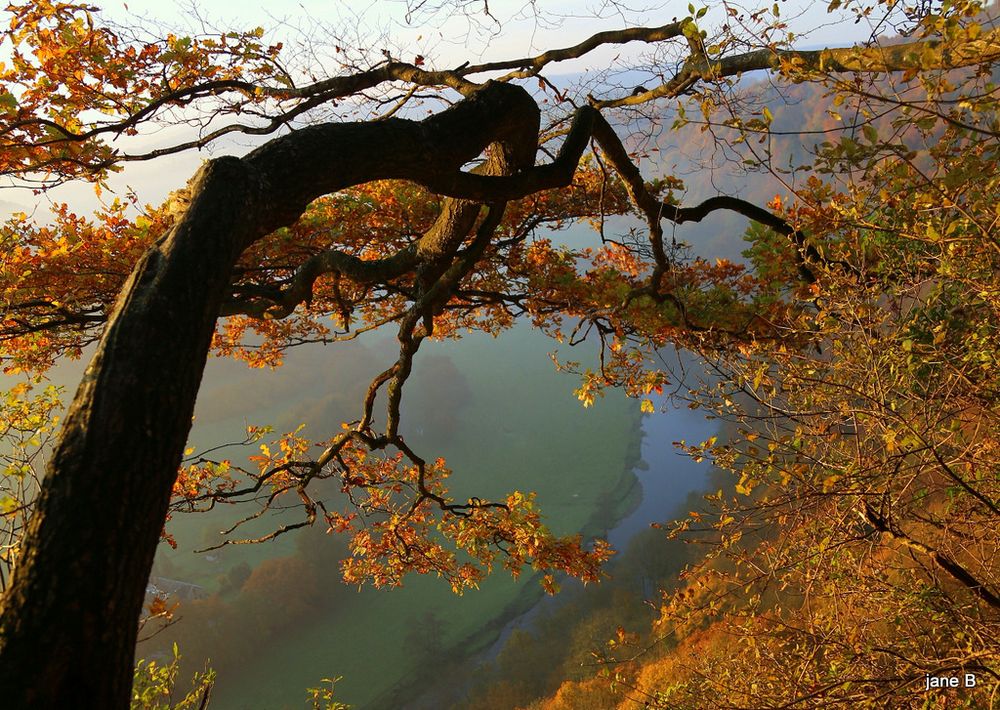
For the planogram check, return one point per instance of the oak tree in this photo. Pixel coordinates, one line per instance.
(329, 228)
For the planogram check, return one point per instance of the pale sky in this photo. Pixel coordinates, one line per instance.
(525, 27)
(451, 39)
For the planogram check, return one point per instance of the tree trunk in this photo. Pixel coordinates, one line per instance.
(69, 624)
(69, 619)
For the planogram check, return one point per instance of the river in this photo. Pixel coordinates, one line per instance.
(664, 478)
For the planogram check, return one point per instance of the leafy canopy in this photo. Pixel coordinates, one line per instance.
(857, 342)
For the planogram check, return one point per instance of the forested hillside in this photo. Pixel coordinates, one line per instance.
(852, 555)
(404, 200)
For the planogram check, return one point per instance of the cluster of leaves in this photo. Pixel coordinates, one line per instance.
(28, 419)
(153, 686)
(71, 82)
(322, 698)
(59, 283)
(397, 516)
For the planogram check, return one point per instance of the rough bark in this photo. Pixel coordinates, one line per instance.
(69, 619)
(70, 616)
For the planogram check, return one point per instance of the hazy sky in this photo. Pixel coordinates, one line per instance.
(445, 39)
(526, 26)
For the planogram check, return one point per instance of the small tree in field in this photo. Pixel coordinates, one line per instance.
(338, 226)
